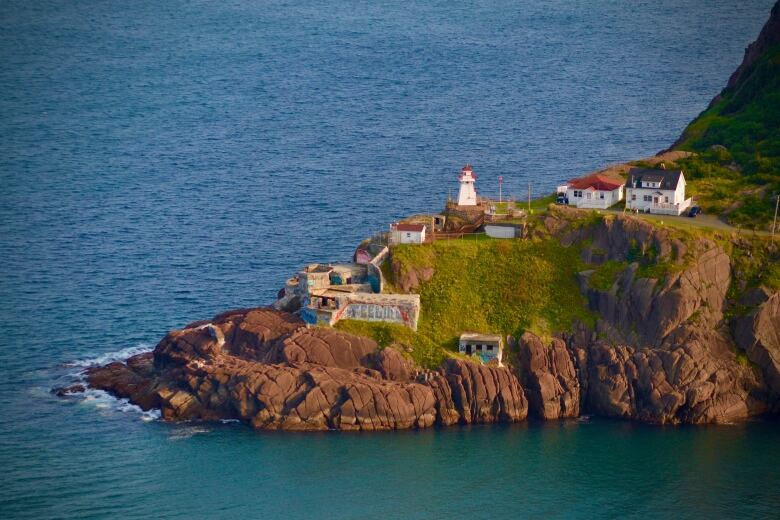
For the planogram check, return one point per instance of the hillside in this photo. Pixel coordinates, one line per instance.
(536, 285)
(464, 286)
(736, 171)
(609, 315)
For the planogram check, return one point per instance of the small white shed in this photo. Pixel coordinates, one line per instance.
(402, 233)
(486, 346)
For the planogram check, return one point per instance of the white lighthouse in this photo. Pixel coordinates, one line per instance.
(467, 196)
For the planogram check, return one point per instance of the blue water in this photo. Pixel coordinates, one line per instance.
(164, 161)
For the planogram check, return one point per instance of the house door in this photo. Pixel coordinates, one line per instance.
(655, 199)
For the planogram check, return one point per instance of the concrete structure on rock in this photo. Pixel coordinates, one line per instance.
(328, 293)
(329, 306)
(504, 230)
(487, 346)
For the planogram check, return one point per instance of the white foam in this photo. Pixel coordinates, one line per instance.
(101, 399)
(110, 357)
(106, 402)
(185, 432)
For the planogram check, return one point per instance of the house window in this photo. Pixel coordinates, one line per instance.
(408, 235)
(633, 196)
(577, 193)
(601, 195)
(479, 347)
(490, 347)
(588, 197)
(648, 198)
(666, 199)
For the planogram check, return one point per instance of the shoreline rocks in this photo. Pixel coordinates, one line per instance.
(662, 352)
(273, 372)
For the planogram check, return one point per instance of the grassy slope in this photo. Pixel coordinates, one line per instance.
(508, 286)
(491, 286)
(737, 169)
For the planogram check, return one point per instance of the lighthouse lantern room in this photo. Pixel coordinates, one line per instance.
(467, 196)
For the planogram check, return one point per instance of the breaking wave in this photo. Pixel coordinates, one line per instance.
(101, 399)
(110, 357)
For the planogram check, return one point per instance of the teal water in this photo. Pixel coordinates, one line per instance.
(162, 162)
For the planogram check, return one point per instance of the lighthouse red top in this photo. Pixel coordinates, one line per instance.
(467, 171)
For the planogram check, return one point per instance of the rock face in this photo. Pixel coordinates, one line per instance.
(469, 393)
(692, 378)
(267, 369)
(651, 308)
(661, 351)
(549, 378)
(408, 280)
(758, 333)
(767, 38)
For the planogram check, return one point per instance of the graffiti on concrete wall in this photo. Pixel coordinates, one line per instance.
(392, 312)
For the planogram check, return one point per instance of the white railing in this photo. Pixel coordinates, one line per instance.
(670, 208)
(593, 203)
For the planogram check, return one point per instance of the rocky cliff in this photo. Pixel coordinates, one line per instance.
(767, 38)
(663, 351)
(267, 369)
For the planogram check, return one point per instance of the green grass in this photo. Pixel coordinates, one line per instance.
(658, 270)
(604, 276)
(736, 171)
(539, 205)
(755, 262)
(742, 358)
(501, 208)
(490, 286)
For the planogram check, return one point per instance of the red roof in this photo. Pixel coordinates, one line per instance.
(597, 182)
(467, 170)
(410, 227)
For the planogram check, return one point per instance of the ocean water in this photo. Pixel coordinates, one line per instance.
(164, 161)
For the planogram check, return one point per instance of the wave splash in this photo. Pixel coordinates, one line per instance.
(110, 357)
(101, 399)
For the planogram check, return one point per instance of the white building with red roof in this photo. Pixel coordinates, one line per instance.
(596, 191)
(407, 233)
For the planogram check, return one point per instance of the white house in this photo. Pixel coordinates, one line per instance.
(594, 191)
(656, 191)
(402, 233)
(486, 346)
(467, 196)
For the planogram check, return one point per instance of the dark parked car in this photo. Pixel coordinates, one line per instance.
(694, 211)
(562, 199)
